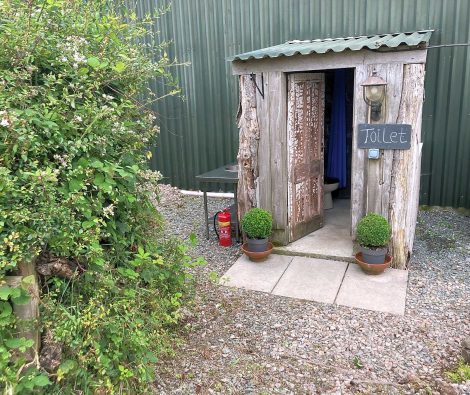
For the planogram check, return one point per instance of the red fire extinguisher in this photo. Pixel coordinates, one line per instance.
(225, 238)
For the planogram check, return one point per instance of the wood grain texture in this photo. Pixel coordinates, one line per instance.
(380, 171)
(305, 124)
(359, 156)
(248, 148)
(277, 92)
(404, 191)
(394, 90)
(330, 60)
(264, 149)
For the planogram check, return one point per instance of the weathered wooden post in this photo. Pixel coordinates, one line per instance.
(248, 148)
(28, 313)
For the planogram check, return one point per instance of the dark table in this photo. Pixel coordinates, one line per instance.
(220, 175)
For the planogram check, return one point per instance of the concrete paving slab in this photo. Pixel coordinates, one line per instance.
(312, 279)
(385, 292)
(332, 241)
(257, 276)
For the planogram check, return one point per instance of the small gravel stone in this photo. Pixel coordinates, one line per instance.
(248, 342)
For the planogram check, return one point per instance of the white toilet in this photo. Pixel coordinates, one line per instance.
(330, 185)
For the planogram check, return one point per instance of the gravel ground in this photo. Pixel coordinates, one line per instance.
(246, 342)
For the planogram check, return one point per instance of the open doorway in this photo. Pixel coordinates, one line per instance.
(320, 131)
(338, 133)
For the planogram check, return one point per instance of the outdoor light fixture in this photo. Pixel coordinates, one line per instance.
(374, 94)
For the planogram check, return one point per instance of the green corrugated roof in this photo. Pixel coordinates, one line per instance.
(306, 47)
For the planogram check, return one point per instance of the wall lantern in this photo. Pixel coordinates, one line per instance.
(374, 89)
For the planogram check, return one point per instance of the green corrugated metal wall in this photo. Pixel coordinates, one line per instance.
(200, 133)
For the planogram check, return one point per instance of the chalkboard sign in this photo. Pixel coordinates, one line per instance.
(385, 136)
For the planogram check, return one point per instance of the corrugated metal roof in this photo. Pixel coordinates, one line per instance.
(306, 47)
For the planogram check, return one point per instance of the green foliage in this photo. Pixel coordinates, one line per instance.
(73, 133)
(73, 174)
(373, 230)
(114, 334)
(257, 223)
(357, 362)
(461, 373)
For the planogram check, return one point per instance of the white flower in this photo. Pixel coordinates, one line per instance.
(63, 59)
(5, 122)
(78, 58)
(108, 211)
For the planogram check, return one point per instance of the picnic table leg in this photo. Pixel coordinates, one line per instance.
(206, 215)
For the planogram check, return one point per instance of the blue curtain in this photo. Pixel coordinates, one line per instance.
(337, 138)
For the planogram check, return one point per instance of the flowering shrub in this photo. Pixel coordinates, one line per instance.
(72, 166)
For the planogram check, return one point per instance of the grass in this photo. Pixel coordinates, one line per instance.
(460, 374)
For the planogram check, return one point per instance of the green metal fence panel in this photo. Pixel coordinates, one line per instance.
(199, 133)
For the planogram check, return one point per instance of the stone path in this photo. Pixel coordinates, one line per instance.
(321, 280)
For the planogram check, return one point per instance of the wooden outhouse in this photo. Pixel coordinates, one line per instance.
(285, 114)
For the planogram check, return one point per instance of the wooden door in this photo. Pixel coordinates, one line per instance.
(305, 117)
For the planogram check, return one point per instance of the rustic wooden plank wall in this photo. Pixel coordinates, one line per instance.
(359, 157)
(388, 186)
(406, 167)
(272, 181)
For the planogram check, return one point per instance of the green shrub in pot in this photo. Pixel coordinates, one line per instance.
(257, 225)
(373, 235)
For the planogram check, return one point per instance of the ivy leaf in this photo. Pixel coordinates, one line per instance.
(5, 309)
(93, 62)
(97, 164)
(75, 185)
(22, 298)
(5, 292)
(41, 381)
(15, 292)
(21, 343)
(83, 162)
(99, 180)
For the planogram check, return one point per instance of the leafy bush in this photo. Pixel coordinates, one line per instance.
(115, 324)
(257, 223)
(373, 231)
(72, 186)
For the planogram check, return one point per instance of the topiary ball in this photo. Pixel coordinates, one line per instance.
(373, 231)
(257, 223)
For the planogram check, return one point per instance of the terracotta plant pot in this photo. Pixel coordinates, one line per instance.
(373, 268)
(257, 256)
